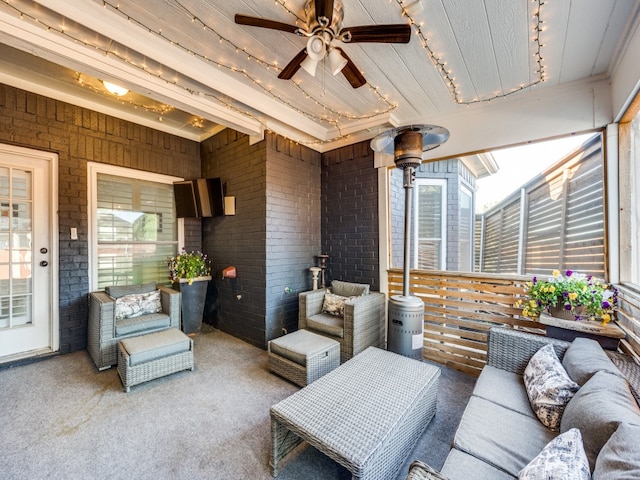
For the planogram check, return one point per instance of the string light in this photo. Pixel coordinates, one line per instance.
(447, 74)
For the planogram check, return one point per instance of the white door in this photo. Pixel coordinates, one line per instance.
(27, 253)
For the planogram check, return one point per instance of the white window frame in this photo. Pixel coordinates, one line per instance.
(93, 169)
(466, 190)
(443, 220)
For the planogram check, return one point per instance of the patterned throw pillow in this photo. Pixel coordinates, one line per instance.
(334, 304)
(138, 304)
(562, 459)
(548, 386)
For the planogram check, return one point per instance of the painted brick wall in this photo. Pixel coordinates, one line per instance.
(293, 229)
(238, 240)
(79, 135)
(350, 229)
(272, 238)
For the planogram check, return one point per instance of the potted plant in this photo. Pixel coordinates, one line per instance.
(190, 273)
(572, 296)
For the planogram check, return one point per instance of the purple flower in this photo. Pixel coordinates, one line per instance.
(606, 304)
(567, 306)
(565, 294)
(568, 273)
(535, 280)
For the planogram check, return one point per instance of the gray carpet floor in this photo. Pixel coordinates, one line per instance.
(62, 419)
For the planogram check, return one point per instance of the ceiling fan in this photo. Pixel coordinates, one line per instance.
(325, 33)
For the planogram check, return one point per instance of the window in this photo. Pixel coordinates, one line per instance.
(465, 237)
(430, 224)
(134, 228)
(630, 199)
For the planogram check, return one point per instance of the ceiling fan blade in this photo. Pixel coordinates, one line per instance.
(293, 66)
(264, 23)
(351, 72)
(324, 8)
(394, 33)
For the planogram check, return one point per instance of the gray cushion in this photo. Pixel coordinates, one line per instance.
(300, 345)
(562, 459)
(603, 403)
(151, 321)
(458, 465)
(548, 386)
(583, 358)
(501, 437)
(504, 388)
(117, 291)
(146, 348)
(327, 324)
(348, 289)
(619, 459)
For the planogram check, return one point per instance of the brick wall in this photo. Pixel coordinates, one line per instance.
(272, 238)
(350, 228)
(293, 229)
(79, 135)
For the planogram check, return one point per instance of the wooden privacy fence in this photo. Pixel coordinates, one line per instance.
(459, 310)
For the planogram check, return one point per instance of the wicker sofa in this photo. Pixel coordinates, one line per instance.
(362, 324)
(105, 330)
(499, 434)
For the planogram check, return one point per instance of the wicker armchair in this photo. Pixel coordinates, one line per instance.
(361, 326)
(105, 331)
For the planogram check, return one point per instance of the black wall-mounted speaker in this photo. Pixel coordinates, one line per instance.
(203, 197)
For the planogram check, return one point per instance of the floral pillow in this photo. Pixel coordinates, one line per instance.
(334, 304)
(549, 387)
(138, 304)
(562, 459)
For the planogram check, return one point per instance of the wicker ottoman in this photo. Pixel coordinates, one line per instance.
(155, 355)
(303, 356)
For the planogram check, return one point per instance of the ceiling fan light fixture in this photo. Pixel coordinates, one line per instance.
(316, 48)
(309, 65)
(336, 61)
(114, 89)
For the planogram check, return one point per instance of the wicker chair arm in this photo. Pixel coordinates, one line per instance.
(421, 471)
(170, 300)
(102, 314)
(309, 303)
(511, 350)
(364, 321)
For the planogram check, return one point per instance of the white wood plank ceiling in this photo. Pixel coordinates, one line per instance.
(192, 70)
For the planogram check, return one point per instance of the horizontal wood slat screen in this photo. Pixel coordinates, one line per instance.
(459, 310)
(461, 307)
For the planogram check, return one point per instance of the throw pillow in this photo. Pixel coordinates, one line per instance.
(334, 304)
(138, 304)
(599, 407)
(548, 386)
(619, 459)
(563, 458)
(583, 358)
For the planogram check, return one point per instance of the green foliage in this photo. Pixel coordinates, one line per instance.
(188, 265)
(583, 295)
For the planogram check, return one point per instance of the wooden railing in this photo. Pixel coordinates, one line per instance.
(460, 308)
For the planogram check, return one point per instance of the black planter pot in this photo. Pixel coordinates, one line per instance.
(192, 302)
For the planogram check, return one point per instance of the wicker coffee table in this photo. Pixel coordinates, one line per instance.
(366, 414)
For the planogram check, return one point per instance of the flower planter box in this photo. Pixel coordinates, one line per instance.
(192, 302)
(608, 335)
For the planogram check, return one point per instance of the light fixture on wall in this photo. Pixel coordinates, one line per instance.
(114, 89)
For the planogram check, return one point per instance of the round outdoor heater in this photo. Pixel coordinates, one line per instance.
(406, 312)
